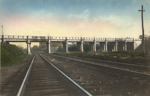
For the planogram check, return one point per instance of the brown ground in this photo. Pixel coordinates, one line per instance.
(102, 82)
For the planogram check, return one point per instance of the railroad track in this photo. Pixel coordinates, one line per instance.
(44, 79)
(122, 68)
(139, 68)
(100, 80)
(10, 86)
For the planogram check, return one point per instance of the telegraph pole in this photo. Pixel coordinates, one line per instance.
(2, 30)
(2, 35)
(143, 39)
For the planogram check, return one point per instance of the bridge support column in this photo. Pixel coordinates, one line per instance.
(116, 46)
(28, 47)
(80, 46)
(65, 46)
(105, 46)
(125, 46)
(133, 45)
(92, 46)
(49, 46)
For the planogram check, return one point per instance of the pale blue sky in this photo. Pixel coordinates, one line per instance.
(66, 17)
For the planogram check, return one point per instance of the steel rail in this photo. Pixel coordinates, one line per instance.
(119, 63)
(140, 73)
(116, 63)
(20, 92)
(68, 77)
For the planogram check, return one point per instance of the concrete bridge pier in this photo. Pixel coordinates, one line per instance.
(102, 46)
(82, 50)
(80, 46)
(125, 46)
(65, 46)
(106, 49)
(92, 46)
(28, 47)
(49, 46)
(116, 45)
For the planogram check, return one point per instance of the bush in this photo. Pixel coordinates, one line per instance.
(11, 55)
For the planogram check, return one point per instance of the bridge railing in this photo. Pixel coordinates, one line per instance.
(14, 36)
(58, 38)
(70, 38)
(100, 38)
(74, 38)
(88, 38)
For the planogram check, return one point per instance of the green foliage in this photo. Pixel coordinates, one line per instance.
(11, 55)
(73, 47)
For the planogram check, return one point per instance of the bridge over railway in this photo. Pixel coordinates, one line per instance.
(115, 44)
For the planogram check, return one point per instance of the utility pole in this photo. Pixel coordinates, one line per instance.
(143, 39)
(2, 35)
(2, 30)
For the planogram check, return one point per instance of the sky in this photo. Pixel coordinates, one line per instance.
(74, 18)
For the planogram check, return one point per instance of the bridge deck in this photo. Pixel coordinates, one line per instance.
(14, 38)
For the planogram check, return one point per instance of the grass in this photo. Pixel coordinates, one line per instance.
(11, 55)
